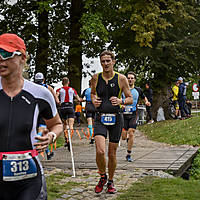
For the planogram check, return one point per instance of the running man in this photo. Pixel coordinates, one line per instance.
(130, 112)
(106, 90)
(90, 110)
(66, 95)
(39, 79)
(22, 101)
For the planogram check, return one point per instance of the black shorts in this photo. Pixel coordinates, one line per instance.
(28, 189)
(67, 110)
(90, 110)
(130, 120)
(114, 131)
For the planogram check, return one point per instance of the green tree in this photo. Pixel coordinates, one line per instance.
(75, 52)
(156, 39)
(41, 60)
(43, 27)
(52, 32)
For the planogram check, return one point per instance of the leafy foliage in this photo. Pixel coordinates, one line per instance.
(159, 40)
(156, 38)
(195, 168)
(22, 19)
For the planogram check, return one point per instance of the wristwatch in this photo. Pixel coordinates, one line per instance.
(54, 136)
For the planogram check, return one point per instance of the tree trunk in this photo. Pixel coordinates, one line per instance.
(161, 99)
(75, 48)
(43, 43)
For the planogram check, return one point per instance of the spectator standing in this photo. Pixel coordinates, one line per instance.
(175, 91)
(182, 98)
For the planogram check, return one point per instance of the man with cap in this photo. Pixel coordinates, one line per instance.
(182, 98)
(21, 174)
(39, 79)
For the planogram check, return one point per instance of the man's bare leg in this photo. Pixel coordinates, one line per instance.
(100, 153)
(112, 161)
(101, 162)
(130, 143)
(71, 123)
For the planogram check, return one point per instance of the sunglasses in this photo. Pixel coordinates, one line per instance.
(6, 55)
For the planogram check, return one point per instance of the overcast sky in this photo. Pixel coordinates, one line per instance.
(94, 66)
(12, 1)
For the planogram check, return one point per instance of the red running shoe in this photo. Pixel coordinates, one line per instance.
(111, 189)
(101, 183)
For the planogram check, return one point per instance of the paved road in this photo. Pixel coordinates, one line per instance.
(150, 158)
(146, 155)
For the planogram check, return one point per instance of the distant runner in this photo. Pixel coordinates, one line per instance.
(130, 113)
(90, 110)
(66, 95)
(39, 79)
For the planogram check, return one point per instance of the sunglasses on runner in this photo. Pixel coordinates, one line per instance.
(6, 55)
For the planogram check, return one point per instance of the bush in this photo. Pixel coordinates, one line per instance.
(195, 168)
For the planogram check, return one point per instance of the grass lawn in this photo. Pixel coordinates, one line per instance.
(152, 188)
(176, 132)
(57, 185)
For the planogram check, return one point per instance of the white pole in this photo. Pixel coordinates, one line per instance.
(71, 151)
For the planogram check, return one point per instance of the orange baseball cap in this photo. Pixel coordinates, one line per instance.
(11, 42)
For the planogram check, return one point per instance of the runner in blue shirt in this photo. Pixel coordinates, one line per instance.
(90, 110)
(130, 112)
